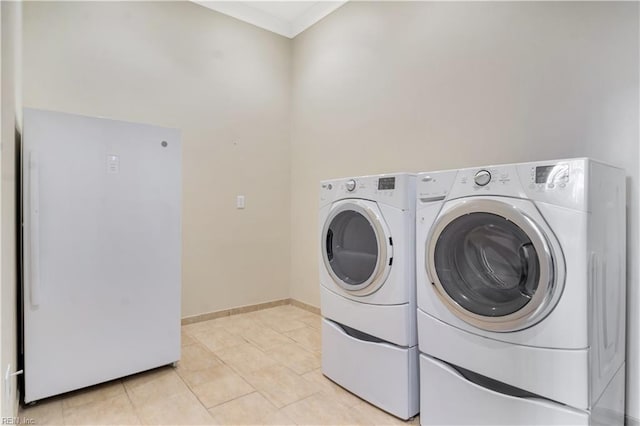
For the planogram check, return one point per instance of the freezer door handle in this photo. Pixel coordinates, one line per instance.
(34, 228)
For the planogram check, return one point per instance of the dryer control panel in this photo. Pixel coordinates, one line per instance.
(397, 189)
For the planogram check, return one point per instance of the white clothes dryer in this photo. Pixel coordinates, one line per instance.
(367, 284)
(521, 292)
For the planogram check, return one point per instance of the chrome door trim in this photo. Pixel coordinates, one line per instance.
(548, 291)
(385, 250)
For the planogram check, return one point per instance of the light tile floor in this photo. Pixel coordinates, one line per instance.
(261, 367)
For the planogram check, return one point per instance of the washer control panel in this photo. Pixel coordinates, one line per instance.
(487, 179)
(538, 177)
(559, 182)
(350, 185)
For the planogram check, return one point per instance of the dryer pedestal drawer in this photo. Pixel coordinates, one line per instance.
(447, 398)
(557, 374)
(394, 323)
(386, 375)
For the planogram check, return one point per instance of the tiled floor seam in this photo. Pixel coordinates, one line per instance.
(235, 397)
(191, 389)
(126, 392)
(301, 399)
(225, 402)
(226, 365)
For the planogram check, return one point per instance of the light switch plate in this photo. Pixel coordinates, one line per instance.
(240, 202)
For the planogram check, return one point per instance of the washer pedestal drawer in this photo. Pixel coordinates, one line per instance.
(448, 398)
(384, 374)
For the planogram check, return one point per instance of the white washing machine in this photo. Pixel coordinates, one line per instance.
(367, 286)
(521, 293)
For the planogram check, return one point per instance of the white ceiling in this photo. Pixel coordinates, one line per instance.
(287, 18)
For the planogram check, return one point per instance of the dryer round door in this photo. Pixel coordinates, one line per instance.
(492, 265)
(356, 246)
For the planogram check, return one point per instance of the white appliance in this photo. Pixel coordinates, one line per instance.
(101, 248)
(367, 277)
(521, 293)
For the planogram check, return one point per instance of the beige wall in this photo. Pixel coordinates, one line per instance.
(415, 86)
(226, 84)
(10, 73)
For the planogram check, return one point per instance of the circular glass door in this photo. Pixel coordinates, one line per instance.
(491, 265)
(487, 264)
(354, 248)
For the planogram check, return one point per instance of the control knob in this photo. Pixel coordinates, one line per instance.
(351, 185)
(482, 178)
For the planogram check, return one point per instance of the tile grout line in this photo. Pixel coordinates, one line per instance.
(135, 409)
(191, 390)
(265, 352)
(187, 384)
(224, 364)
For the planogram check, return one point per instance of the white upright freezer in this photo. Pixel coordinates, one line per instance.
(101, 250)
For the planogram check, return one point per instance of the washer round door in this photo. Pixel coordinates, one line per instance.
(356, 247)
(492, 266)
